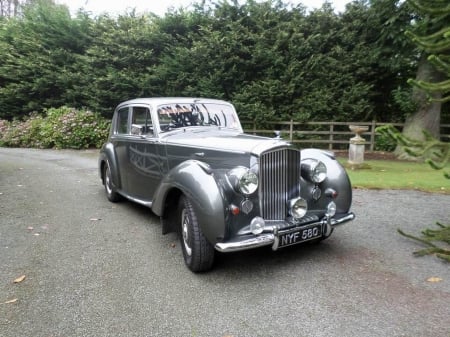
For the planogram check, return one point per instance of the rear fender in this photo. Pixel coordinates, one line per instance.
(107, 155)
(196, 181)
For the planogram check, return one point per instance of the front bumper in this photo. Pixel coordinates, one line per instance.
(266, 239)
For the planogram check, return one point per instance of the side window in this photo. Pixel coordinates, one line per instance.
(122, 121)
(141, 121)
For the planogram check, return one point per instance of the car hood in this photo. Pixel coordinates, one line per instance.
(223, 140)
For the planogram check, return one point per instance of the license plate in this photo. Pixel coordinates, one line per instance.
(298, 236)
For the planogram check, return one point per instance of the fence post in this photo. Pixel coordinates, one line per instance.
(372, 135)
(330, 146)
(291, 130)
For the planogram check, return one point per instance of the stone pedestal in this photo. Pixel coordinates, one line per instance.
(357, 146)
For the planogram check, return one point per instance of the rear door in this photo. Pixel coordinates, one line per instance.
(120, 138)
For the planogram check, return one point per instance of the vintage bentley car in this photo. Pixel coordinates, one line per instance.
(190, 162)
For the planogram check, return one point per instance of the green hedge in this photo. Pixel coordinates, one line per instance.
(60, 128)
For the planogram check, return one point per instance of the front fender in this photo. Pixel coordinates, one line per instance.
(337, 177)
(195, 180)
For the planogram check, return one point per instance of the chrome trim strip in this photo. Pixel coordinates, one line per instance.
(258, 241)
(136, 200)
(272, 239)
(344, 219)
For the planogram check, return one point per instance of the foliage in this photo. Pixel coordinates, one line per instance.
(437, 155)
(119, 61)
(434, 38)
(382, 55)
(435, 152)
(41, 58)
(61, 128)
(272, 60)
(11, 8)
(428, 31)
(429, 236)
(402, 99)
(21, 133)
(384, 143)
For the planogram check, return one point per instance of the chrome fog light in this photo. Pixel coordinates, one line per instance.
(257, 225)
(298, 208)
(331, 209)
(314, 170)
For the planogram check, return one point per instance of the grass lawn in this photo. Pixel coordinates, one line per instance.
(392, 174)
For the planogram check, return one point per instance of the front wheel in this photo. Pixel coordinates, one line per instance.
(198, 253)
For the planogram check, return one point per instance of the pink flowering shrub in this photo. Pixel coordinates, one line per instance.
(4, 127)
(21, 133)
(62, 128)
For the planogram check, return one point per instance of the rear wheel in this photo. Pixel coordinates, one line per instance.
(110, 190)
(198, 253)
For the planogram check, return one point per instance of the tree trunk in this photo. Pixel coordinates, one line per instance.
(428, 114)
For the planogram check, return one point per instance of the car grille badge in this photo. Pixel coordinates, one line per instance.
(246, 206)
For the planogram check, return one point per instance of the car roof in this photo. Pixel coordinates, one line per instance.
(172, 100)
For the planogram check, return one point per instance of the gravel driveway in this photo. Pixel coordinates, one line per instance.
(93, 268)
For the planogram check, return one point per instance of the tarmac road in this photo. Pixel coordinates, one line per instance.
(94, 268)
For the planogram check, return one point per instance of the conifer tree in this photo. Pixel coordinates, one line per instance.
(12, 8)
(431, 34)
(437, 155)
(437, 44)
(433, 37)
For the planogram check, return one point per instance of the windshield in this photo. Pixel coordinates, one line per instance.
(174, 116)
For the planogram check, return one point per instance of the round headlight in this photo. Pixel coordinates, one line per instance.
(314, 170)
(298, 208)
(243, 180)
(248, 183)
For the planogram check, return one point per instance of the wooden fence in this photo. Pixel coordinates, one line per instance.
(331, 135)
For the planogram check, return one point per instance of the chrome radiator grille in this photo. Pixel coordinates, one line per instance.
(279, 174)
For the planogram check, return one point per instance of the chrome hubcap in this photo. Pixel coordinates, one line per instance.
(185, 231)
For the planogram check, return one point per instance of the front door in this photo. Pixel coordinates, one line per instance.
(143, 171)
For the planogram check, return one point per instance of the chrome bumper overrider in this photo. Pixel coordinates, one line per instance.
(267, 239)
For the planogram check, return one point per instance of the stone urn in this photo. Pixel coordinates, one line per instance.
(358, 130)
(357, 146)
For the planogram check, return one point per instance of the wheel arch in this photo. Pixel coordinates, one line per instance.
(195, 180)
(169, 214)
(337, 177)
(107, 155)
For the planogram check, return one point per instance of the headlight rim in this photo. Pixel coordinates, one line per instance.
(309, 170)
(240, 178)
(293, 204)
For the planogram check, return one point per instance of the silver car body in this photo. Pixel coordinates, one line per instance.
(246, 191)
